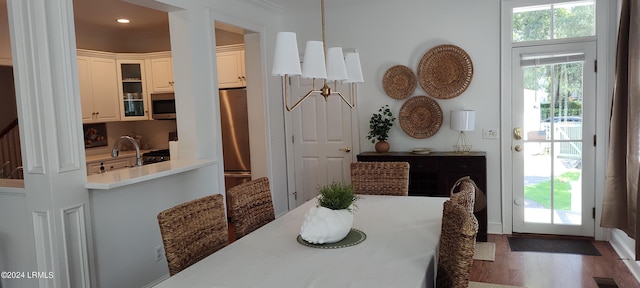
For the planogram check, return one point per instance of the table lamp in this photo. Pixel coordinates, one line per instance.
(463, 120)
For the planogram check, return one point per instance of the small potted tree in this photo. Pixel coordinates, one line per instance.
(380, 124)
(330, 221)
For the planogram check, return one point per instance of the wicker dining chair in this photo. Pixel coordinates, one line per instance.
(463, 193)
(250, 206)
(457, 245)
(192, 231)
(380, 178)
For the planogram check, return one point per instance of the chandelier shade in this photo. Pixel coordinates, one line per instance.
(286, 60)
(354, 70)
(313, 65)
(336, 69)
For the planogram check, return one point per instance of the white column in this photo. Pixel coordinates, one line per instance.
(44, 58)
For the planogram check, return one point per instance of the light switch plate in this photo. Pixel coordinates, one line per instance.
(490, 133)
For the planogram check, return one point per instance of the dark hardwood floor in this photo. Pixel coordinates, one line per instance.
(545, 270)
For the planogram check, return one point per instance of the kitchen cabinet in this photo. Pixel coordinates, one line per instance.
(161, 74)
(98, 89)
(119, 163)
(231, 66)
(435, 173)
(134, 98)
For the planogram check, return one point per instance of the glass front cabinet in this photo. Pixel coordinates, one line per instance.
(134, 98)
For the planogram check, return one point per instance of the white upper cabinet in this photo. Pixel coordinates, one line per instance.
(231, 71)
(134, 98)
(161, 74)
(98, 89)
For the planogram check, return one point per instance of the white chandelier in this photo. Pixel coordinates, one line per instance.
(338, 68)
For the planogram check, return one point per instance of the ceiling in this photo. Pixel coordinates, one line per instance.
(97, 29)
(101, 15)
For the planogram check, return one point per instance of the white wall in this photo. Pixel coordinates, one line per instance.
(388, 33)
(126, 229)
(13, 233)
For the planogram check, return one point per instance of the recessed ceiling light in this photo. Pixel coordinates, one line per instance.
(123, 21)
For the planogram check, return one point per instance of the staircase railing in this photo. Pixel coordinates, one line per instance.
(10, 153)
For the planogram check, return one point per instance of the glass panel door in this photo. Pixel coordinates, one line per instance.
(134, 104)
(552, 107)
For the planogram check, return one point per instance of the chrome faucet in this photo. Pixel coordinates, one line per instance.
(114, 152)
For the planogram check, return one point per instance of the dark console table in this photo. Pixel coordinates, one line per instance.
(435, 173)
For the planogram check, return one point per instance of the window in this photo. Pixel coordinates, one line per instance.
(554, 21)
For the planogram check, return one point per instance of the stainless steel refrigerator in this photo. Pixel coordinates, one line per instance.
(235, 136)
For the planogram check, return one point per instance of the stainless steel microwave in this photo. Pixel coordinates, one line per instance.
(163, 106)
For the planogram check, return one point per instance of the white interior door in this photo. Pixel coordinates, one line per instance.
(553, 123)
(322, 141)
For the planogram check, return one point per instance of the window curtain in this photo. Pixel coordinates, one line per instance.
(620, 204)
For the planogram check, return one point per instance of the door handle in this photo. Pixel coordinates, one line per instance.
(518, 148)
(517, 133)
(345, 149)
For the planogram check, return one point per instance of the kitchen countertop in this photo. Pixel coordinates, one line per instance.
(127, 176)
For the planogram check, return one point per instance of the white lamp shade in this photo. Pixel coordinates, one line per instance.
(463, 120)
(286, 59)
(336, 68)
(354, 70)
(313, 64)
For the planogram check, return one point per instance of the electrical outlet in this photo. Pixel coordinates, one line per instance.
(489, 133)
(158, 252)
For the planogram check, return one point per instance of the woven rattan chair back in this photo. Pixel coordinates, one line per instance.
(463, 193)
(192, 231)
(380, 178)
(457, 245)
(250, 206)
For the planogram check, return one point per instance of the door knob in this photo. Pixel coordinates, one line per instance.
(518, 148)
(517, 133)
(345, 149)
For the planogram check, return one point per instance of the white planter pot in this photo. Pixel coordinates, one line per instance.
(322, 225)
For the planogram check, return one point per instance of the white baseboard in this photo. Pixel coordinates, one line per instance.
(621, 243)
(494, 228)
(157, 281)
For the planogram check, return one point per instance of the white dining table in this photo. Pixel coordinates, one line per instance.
(402, 234)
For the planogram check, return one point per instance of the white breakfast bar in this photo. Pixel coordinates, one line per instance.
(402, 234)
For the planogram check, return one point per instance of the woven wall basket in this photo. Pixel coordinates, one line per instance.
(399, 82)
(420, 117)
(445, 71)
